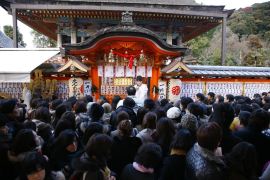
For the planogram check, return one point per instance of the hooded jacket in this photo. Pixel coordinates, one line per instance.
(86, 168)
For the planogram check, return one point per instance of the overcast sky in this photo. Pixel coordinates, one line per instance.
(6, 19)
(231, 4)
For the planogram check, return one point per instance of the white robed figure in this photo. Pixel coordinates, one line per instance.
(26, 96)
(141, 89)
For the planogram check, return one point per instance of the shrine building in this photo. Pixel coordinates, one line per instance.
(105, 44)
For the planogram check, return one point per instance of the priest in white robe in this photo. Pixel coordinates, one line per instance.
(141, 89)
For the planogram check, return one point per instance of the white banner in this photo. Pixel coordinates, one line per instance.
(119, 71)
(100, 71)
(149, 71)
(130, 72)
(141, 71)
(108, 71)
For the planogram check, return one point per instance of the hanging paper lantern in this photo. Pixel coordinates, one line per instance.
(174, 89)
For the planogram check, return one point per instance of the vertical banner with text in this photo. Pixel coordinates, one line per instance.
(87, 84)
(162, 86)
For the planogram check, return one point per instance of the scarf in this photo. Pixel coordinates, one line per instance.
(178, 152)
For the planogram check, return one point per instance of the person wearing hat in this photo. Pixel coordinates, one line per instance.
(174, 113)
(190, 122)
(141, 89)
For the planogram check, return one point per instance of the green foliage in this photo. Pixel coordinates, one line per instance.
(255, 58)
(267, 36)
(8, 30)
(242, 23)
(41, 41)
(198, 45)
(261, 13)
(255, 20)
(248, 39)
(230, 60)
(215, 57)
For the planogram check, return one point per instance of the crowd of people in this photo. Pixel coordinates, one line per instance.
(206, 138)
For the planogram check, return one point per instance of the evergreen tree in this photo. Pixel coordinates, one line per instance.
(8, 30)
(41, 41)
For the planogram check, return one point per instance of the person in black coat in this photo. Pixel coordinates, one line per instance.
(242, 162)
(259, 121)
(25, 141)
(92, 165)
(202, 161)
(35, 165)
(10, 110)
(128, 105)
(5, 141)
(45, 131)
(174, 165)
(164, 134)
(63, 150)
(124, 147)
(184, 102)
(224, 114)
(147, 159)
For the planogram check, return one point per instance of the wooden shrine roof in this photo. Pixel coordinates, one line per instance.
(160, 2)
(241, 71)
(176, 67)
(5, 41)
(125, 31)
(74, 64)
(186, 19)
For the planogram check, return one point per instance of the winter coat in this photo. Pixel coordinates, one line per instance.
(131, 113)
(145, 135)
(82, 120)
(202, 164)
(130, 173)
(173, 168)
(87, 168)
(123, 152)
(237, 170)
(260, 141)
(6, 167)
(228, 141)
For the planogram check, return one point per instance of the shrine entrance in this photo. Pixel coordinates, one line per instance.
(117, 55)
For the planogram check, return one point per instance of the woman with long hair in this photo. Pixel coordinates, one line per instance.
(92, 165)
(242, 162)
(174, 165)
(63, 150)
(164, 133)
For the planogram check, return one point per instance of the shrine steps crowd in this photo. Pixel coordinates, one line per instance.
(211, 138)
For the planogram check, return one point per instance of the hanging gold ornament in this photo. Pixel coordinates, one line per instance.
(135, 62)
(105, 58)
(141, 56)
(111, 58)
(125, 59)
